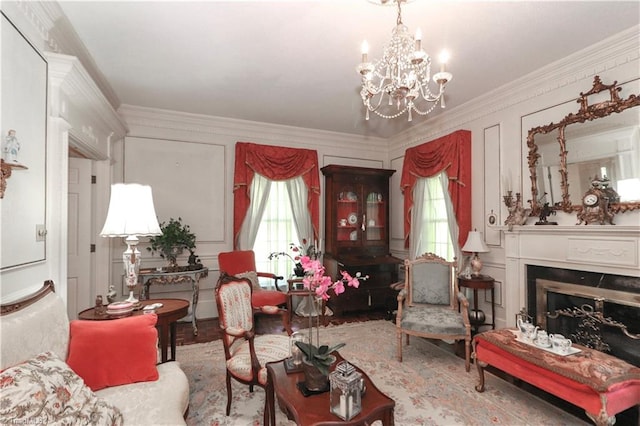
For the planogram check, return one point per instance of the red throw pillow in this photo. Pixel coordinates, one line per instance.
(114, 352)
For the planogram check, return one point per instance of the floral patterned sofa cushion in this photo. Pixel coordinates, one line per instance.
(44, 390)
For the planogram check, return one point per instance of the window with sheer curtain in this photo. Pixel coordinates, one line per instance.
(448, 161)
(275, 232)
(435, 226)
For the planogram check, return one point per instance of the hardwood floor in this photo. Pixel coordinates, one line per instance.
(208, 330)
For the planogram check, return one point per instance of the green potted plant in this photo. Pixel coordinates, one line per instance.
(175, 238)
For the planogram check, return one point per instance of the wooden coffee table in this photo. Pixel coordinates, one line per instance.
(314, 409)
(170, 312)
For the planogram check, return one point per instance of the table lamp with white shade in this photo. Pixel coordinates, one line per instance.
(475, 244)
(131, 215)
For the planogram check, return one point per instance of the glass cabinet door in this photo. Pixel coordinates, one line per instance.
(375, 217)
(348, 214)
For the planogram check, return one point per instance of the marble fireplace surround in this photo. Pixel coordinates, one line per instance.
(600, 249)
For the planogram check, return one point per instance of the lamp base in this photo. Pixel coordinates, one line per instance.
(476, 265)
(131, 298)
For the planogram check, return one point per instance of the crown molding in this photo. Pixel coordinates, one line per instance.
(620, 49)
(182, 122)
(49, 28)
(80, 102)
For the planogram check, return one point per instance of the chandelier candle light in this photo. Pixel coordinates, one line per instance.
(403, 75)
(131, 214)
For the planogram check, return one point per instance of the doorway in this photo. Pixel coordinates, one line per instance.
(79, 232)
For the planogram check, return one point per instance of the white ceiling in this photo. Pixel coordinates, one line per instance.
(293, 62)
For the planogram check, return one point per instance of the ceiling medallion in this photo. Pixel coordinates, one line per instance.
(402, 75)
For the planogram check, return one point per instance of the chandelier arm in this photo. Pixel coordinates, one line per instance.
(374, 108)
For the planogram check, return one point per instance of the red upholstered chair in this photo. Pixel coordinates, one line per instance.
(242, 263)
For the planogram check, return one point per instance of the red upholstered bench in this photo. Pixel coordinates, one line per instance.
(599, 383)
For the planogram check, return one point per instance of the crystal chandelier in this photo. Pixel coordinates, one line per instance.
(402, 76)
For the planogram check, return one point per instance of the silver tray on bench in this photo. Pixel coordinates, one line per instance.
(572, 350)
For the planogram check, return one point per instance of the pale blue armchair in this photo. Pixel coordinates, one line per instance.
(431, 305)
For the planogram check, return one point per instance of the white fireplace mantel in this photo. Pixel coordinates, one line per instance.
(609, 249)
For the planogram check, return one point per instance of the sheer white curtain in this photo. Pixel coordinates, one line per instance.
(298, 195)
(433, 222)
(259, 193)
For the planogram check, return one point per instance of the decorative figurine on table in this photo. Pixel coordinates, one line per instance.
(11, 148)
(517, 213)
(608, 191)
(545, 212)
(193, 261)
(112, 294)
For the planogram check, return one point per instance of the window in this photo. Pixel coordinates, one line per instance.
(276, 232)
(432, 232)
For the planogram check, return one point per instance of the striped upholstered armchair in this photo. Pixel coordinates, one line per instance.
(245, 353)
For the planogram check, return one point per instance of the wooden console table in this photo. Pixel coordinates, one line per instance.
(152, 276)
(600, 384)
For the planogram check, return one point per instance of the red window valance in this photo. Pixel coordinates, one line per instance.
(453, 154)
(275, 163)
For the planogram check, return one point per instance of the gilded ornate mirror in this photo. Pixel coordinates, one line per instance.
(602, 139)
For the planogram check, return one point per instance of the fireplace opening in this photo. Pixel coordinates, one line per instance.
(607, 325)
(601, 311)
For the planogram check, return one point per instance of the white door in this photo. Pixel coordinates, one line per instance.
(79, 238)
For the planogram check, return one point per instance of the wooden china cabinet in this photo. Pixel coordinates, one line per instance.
(357, 236)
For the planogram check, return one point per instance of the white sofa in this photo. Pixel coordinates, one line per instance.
(39, 324)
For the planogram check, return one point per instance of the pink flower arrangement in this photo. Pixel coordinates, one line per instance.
(319, 285)
(315, 279)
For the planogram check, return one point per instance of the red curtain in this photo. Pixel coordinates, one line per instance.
(275, 163)
(453, 154)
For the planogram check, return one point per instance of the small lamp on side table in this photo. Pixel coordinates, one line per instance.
(475, 244)
(131, 214)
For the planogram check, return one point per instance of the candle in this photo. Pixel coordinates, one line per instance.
(444, 57)
(346, 406)
(365, 50)
(418, 39)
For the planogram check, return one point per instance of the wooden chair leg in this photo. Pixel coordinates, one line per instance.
(228, 393)
(285, 321)
(266, 418)
(399, 341)
(467, 354)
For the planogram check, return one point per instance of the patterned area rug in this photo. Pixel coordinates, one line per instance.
(430, 386)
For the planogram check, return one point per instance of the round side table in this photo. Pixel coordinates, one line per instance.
(479, 282)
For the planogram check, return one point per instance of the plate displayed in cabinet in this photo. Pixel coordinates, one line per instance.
(353, 236)
(352, 219)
